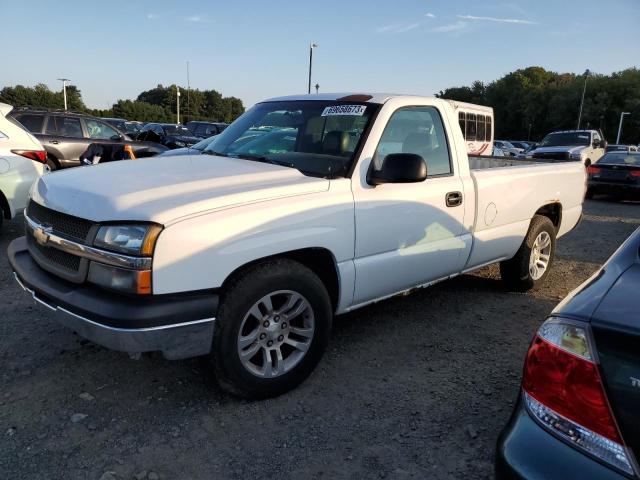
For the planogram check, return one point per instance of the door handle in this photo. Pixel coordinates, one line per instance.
(55, 142)
(453, 199)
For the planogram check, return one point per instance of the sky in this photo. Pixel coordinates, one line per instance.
(255, 49)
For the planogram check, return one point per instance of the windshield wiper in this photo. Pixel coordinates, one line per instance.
(211, 152)
(260, 158)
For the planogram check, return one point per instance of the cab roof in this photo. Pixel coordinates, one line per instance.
(344, 96)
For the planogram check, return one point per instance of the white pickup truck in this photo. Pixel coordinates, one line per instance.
(304, 208)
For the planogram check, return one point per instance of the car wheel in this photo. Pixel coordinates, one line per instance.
(273, 326)
(531, 264)
(587, 163)
(51, 163)
(589, 194)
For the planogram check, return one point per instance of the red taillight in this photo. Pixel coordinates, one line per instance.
(635, 173)
(37, 155)
(562, 389)
(570, 386)
(591, 170)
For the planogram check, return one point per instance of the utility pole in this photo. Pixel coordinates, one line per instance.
(177, 104)
(622, 114)
(584, 89)
(311, 47)
(188, 89)
(64, 90)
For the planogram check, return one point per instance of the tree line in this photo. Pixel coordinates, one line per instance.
(155, 105)
(531, 102)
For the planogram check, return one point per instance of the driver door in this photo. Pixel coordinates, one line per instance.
(408, 234)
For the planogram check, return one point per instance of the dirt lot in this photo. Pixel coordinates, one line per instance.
(414, 387)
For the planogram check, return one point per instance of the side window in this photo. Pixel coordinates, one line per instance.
(31, 122)
(480, 121)
(416, 130)
(99, 130)
(64, 126)
(471, 127)
(596, 137)
(488, 130)
(462, 122)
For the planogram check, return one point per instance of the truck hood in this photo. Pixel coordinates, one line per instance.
(165, 189)
(560, 149)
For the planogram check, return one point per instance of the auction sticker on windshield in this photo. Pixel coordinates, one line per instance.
(344, 110)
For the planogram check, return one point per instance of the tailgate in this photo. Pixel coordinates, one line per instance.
(616, 329)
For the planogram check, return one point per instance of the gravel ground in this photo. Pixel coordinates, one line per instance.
(413, 387)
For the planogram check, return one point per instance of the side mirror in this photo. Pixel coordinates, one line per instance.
(117, 137)
(399, 168)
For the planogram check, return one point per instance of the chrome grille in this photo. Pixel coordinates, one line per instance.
(63, 223)
(57, 257)
(552, 155)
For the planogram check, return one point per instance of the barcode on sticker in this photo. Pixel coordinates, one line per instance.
(344, 110)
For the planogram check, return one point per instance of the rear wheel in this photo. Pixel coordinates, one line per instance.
(51, 163)
(589, 194)
(273, 326)
(531, 264)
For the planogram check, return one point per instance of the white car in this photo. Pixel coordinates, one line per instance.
(585, 146)
(22, 160)
(246, 251)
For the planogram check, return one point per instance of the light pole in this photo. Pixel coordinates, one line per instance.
(622, 114)
(317, 88)
(188, 89)
(311, 47)
(177, 104)
(64, 90)
(584, 89)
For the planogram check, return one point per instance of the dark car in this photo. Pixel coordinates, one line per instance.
(196, 149)
(170, 135)
(130, 128)
(577, 415)
(67, 135)
(621, 148)
(205, 129)
(616, 174)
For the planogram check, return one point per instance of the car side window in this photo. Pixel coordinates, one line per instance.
(417, 130)
(596, 137)
(64, 126)
(99, 130)
(31, 122)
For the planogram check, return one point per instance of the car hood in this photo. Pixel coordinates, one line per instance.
(180, 152)
(165, 189)
(560, 149)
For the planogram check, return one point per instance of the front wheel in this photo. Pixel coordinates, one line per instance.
(273, 326)
(531, 264)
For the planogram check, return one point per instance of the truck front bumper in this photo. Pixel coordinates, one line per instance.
(179, 325)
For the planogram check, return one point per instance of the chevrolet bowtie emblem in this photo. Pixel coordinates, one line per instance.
(41, 235)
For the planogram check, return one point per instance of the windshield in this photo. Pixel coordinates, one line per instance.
(202, 144)
(621, 159)
(318, 138)
(130, 127)
(568, 139)
(177, 130)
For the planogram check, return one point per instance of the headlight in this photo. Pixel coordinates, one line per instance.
(130, 239)
(575, 156)
(179, 144)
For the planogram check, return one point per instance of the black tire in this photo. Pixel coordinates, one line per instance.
(515, 272)
(589, 194)
(241, 293)
(51, 163)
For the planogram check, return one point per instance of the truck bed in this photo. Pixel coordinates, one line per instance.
(481, 162)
